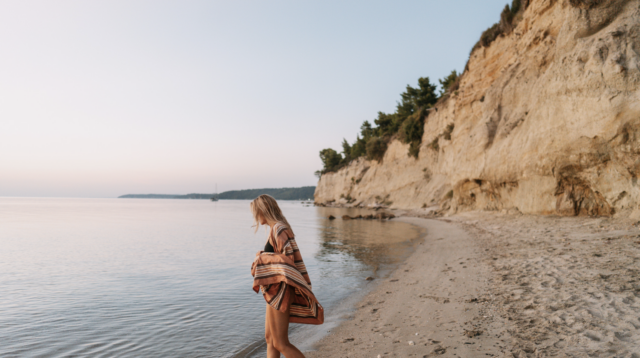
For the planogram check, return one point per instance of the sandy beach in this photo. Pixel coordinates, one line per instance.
(499, 285)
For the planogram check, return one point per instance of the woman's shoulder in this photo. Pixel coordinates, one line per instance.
(280, 228)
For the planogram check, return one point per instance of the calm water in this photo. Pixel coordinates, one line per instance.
(164, 278)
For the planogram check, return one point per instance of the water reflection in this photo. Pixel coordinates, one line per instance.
(378, 244)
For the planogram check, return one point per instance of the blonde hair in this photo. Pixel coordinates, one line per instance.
(267, 206)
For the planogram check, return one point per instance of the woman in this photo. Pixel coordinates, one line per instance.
(280, 274)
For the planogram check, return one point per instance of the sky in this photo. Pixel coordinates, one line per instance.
(104, 98)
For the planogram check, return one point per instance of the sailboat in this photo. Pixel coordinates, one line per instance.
(215, 196)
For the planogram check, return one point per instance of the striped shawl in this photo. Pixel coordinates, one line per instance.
(282, 274)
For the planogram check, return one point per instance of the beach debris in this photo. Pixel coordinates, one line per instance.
(412, 343)
(477, 300)
(472, 333)
(394, 280)
(369, 278)
(439, 350)
(346, 217)
(348, 340)
(331, 217)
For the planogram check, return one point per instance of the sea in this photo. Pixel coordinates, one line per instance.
(170, 278)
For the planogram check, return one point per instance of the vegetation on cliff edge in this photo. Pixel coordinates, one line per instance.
(407, 122)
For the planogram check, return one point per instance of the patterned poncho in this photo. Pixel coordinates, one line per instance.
(281, 274)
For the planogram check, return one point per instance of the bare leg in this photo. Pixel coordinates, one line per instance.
(272, 352)
(278, 328)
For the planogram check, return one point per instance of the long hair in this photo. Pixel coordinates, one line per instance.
(267, 206)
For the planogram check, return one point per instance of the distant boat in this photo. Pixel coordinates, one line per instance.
(215, 196)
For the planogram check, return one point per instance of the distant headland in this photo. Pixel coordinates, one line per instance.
(303, 193)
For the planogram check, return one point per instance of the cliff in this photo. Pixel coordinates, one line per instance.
(546, 120)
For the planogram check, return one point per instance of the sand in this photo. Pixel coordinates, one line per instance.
(496, 285)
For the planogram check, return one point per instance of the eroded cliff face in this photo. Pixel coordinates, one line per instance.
(546, 120)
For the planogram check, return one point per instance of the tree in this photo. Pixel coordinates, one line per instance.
(359, 148)
(415, 102)
(416, 99)
(372, 141)
(366, 130)
(346, 151)
(386, 124)
(447, 82)
(424, 96)
(330, 158)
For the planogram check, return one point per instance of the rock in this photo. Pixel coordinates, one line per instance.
(529, 348)
(346, 217)
(472, 333)
(331, 217)
(439, 350)
(412, 343)
(543, 155)
(560, 344)
(369, 278)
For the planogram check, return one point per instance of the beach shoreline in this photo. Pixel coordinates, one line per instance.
(500, 285)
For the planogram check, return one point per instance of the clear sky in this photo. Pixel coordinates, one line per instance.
(103, 98)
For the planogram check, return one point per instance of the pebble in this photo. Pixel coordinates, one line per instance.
(412, 343)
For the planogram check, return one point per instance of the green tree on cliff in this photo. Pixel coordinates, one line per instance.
(407, 122)
(447, 82)
(330, 159)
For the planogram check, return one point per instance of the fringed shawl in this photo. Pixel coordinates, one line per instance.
(282, 274)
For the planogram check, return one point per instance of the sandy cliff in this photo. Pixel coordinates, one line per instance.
(547, 120)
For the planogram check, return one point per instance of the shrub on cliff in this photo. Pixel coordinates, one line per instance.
(449, 83)
(411, 133)
(506, 25)
(586, 4)
(376, 147)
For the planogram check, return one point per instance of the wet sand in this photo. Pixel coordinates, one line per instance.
(496, 285)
